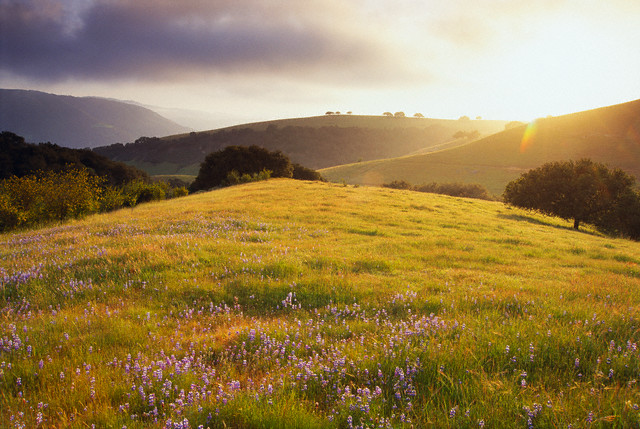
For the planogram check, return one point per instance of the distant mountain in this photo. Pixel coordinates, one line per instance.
(314, 142)
(610, 135)
(78, 122)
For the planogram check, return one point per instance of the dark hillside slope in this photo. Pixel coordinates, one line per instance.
(315, 142)
(610, 135)
(78, 122)
(18, 158)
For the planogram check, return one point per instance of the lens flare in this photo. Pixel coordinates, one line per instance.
(529, 136)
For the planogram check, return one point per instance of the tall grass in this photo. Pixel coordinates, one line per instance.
(298, 304)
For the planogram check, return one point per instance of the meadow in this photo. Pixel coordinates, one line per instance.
(291, 304)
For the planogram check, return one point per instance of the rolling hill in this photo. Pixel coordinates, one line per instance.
(290, 304)
(610, 135)
(315, 142)
(78, 122)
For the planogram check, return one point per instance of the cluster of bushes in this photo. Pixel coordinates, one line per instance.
(50, 196)
(240, 164)
(464, 190)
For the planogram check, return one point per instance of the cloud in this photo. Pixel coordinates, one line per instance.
(54, 40)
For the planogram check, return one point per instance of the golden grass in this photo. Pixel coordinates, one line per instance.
(254, 283)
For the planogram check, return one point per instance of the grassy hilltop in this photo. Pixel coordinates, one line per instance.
(610, 135)
(298, 304)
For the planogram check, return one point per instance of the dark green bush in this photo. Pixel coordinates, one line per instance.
(137, 192)
(304, 173)
(463, 190)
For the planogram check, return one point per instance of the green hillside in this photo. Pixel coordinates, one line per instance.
(299, 304)
(314, 142)
(610, 135)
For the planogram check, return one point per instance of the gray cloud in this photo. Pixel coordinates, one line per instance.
(54, 40)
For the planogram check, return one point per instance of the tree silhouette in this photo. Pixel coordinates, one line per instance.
(584, 191)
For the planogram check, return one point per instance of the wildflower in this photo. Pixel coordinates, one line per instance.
(589, 419)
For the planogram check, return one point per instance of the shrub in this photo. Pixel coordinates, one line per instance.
(178, 192)
(234, 178)
(399, 184)
(10, 216)
(137, 192)
(463, 190)
(48, 196)
(304, 173)
(111, 199)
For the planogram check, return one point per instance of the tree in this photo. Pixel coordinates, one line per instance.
(470, 135)
(584, 191)
(388, 114)
(243, 160)
(418, 115)
(514, 124)
(399, 115)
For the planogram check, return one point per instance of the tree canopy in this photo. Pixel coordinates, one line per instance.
(18, 158)
(582, 191)
(242, 160)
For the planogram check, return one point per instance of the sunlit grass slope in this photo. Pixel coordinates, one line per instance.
(610, 135)
(297, 304)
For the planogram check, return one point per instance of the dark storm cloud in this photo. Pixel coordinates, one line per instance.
(53, 40)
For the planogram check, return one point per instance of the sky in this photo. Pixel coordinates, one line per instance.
(253, 60)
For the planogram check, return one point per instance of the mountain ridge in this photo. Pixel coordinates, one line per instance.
(78, 122)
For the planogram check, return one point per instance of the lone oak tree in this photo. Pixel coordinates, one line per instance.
(584, 191)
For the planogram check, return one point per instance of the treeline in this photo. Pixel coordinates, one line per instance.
(314, 147)
(18, 158)
(464, 190)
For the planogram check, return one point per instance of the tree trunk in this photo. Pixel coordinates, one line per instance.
(576, 224)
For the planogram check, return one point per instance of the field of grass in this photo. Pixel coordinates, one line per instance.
(297, 304)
